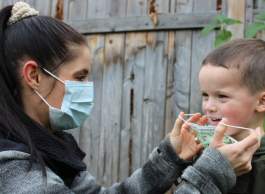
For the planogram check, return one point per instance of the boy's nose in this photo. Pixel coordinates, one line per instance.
(210, 106)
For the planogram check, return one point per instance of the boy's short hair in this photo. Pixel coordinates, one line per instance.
(247, 55)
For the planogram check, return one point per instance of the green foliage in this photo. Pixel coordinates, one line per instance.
(220, 22)
(257, 26)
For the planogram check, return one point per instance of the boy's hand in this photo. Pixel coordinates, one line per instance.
(240, 153)
(183, 139)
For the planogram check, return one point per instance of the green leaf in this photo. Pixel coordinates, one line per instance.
(209, 28)
(220, 18)
(225, 20)
(222, 37)
(253, 29)
(230, 21)
(260, 16)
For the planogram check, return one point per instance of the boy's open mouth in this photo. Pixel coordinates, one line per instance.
(214, 120)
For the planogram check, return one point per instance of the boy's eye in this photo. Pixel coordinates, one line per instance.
(205, 96)
(222, 96)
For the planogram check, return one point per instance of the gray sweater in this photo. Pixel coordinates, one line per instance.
(211, 174)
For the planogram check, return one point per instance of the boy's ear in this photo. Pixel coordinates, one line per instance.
(261, 103)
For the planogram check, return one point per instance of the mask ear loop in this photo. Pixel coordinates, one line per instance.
(43, 99)
(238, 127)
(54, 76)
(185, 121)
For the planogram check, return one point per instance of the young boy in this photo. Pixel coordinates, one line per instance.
(232, 82)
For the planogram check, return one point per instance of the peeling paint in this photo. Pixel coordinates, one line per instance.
(152, 12)
(59, 13)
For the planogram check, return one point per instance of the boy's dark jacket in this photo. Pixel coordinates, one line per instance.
(254, 181)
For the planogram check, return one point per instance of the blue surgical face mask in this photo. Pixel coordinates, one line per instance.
(76, 105)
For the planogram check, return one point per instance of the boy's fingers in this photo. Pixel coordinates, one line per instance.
(219, 133)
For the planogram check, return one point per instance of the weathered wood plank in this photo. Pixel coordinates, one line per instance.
(112, 98)
(154, 92)
(200, 47)
(44, 7)
(179, 65)
(178, 84)
(236, 10)
(135, 68)
(131, 130)
(249, 11)
(90, 132)
(77, 10)
(142, 23)
(92, 135)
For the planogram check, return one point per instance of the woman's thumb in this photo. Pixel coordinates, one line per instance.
(219, 134)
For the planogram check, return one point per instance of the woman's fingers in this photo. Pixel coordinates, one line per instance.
(219, 135)
(178, 124)
(251, 142)
(203, 120)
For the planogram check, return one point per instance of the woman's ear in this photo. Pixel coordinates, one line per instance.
(31, 74)
(261, 102)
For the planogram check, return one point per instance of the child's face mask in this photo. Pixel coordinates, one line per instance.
(76, 106)
(205, 132)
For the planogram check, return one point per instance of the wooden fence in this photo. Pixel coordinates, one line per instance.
(147, 55)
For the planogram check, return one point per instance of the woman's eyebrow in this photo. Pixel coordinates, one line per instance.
(82, 72)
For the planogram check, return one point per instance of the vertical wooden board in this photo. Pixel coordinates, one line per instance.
(77, 10)
(179, 66)
(162, 6)
(130, 148)
(261, 7)
(154, 92)
(236, 10)
(7, 2)
(134, 71)
(91, 134)
(97, 9)
(90, 131)
(111, 106)
(170, 114)
(44, 7)
(154, 88)
(202, 6)
(260, 4)
(249, 12)
(136, 8)
(182, 6)
(182, 72)
(200, 47)
(179, 62)
(111, 99)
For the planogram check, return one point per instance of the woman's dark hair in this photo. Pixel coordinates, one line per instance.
(47, 41)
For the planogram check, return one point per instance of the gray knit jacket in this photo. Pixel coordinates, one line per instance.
(211, 174)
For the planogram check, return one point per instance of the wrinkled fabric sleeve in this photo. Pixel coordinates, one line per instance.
(156, 177)
(211, 173)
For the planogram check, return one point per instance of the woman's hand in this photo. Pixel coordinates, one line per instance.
(240, 153)
(182, 138)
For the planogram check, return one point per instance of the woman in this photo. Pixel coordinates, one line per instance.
(44, 73)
